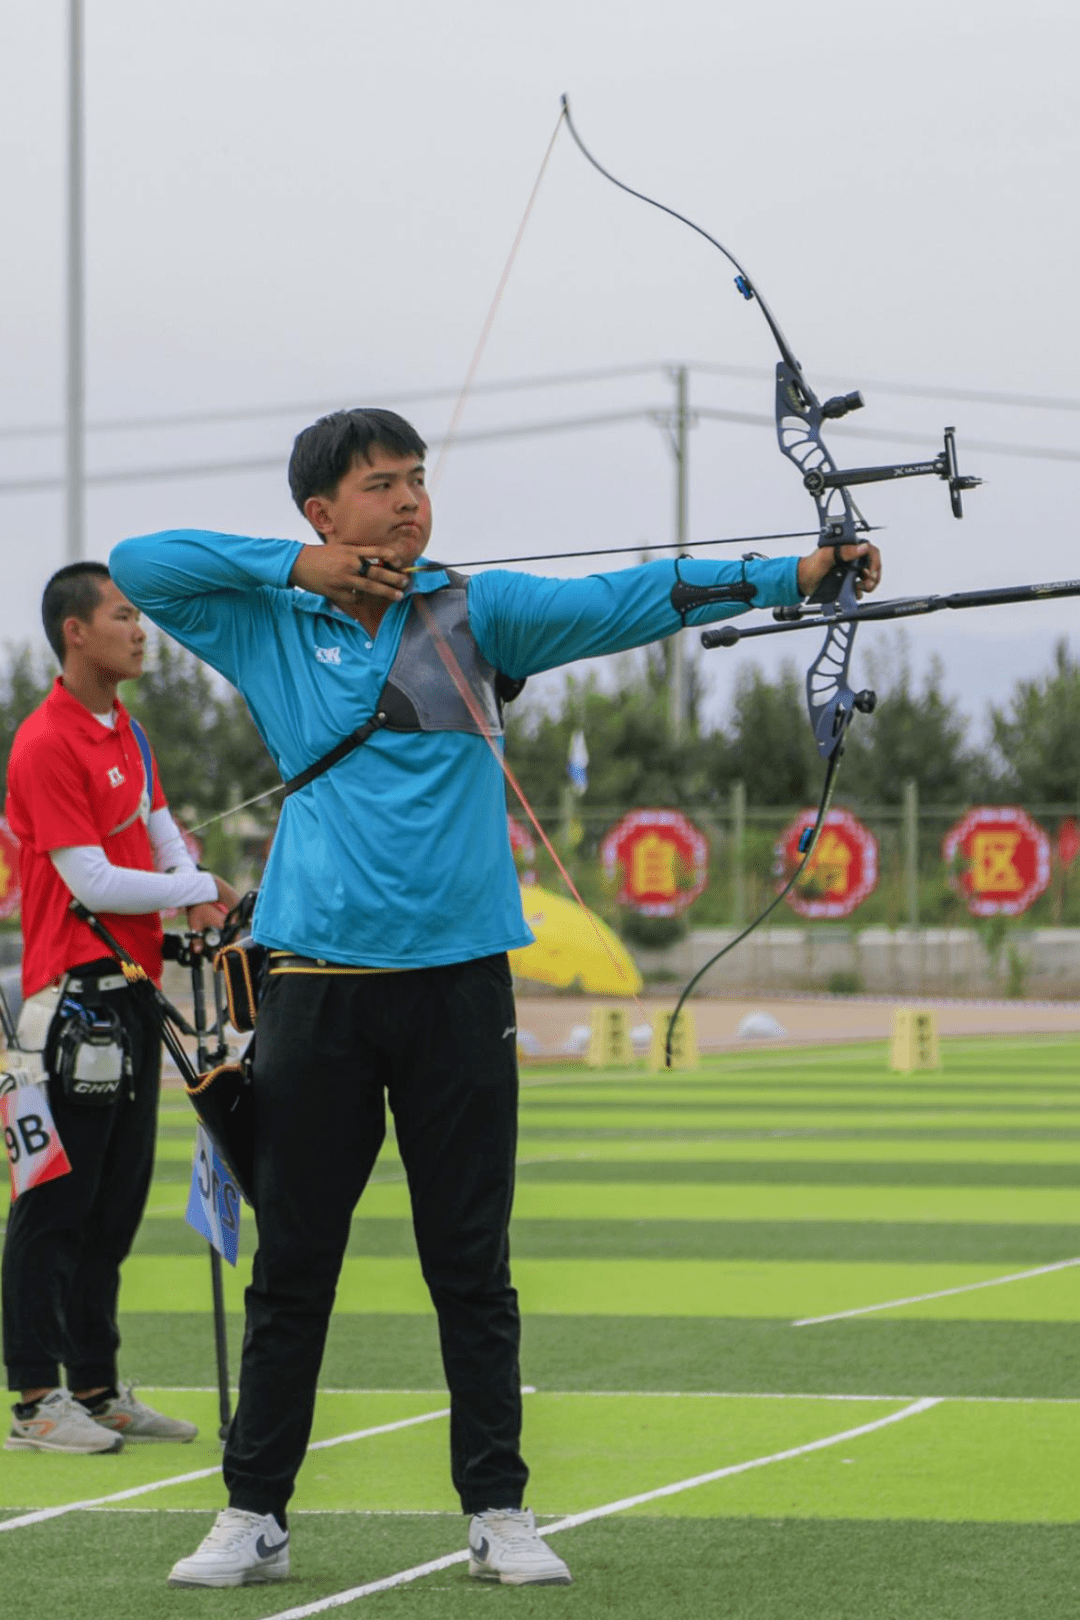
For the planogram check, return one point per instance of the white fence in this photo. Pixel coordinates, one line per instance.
(1038, 963)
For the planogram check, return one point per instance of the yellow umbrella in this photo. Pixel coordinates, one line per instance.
(573, 947)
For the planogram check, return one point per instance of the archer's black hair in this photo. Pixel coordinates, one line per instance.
(324, 452)
(73, 592)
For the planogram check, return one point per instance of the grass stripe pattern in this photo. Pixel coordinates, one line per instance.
(668, 1234)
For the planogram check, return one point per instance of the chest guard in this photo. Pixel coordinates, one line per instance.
(420, 694)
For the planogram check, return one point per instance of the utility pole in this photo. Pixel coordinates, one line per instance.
(738, 853)
(911, 850)
(74, 433)
(677, 425)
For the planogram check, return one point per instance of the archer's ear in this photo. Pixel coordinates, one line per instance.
(74, 632)
(318, 515)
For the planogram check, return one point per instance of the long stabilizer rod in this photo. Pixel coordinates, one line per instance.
(807, 617)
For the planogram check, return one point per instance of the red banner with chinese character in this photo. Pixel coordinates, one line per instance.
(663, 860)
(840, 874)
(999, 860)
(1068, 841)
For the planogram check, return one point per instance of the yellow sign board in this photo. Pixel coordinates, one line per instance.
(914, 1041)
(609, 1039)
(684, 1046)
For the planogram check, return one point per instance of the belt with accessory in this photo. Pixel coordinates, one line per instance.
(287, 962)
(107, 981)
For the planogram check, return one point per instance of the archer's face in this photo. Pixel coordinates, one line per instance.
(381, 503)
(113, 641)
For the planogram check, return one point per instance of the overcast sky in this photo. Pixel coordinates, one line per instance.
(309, 205)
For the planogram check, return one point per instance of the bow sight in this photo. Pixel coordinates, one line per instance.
(944, 465)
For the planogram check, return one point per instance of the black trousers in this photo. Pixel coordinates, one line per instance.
(66, 1239)
(440, 1044)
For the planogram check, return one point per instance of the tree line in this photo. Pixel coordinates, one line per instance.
(211, 757)
(918, 731)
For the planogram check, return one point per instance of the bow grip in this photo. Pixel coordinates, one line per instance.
(830, 588)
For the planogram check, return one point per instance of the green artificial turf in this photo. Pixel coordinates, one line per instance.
(663, 1288)
(829, 1173)
(1010, 1247)
(717, 1201)
(113, 1567)
(668, 1231)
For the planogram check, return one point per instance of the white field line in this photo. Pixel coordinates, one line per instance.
(310, 1513)
(939, 1293)
(40, 1514)
(403, 1577)
(666, 1395)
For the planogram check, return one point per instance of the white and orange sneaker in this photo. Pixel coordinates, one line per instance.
(58, 1422)
(133, 1419)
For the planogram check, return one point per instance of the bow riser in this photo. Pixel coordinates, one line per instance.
(799, 416)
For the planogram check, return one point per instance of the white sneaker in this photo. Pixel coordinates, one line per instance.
(58, 1422)
(505, 1545)
(137, 1421)
(243, 1549)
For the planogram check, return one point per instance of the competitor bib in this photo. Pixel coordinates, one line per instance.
(34, 1149)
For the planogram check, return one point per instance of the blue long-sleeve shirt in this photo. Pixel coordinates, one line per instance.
(397, 857)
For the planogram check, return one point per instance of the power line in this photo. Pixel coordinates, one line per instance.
(568, 424)
(966, 396)
(990, 447)
(309, 408)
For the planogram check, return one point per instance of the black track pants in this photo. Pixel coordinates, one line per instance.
(65, 1240)
(440, 1043)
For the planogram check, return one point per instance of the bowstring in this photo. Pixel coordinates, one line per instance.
(453, 668)
(455, 417)
(493, 308)
(468, 697)
(818, 827)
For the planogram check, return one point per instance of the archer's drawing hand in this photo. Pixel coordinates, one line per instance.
(212, 913)
(344, 572)
(812, 569)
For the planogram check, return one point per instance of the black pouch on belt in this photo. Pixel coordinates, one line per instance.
(88, 1053)
(241, 967)
(223, 1100)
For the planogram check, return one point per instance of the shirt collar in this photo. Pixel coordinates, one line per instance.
(75, 714)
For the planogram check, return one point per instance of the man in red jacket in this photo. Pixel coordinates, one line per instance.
(84, 801)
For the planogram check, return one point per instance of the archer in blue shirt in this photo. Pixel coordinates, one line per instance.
(389, 901)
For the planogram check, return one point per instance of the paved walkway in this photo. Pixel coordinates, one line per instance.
(804, 1018)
